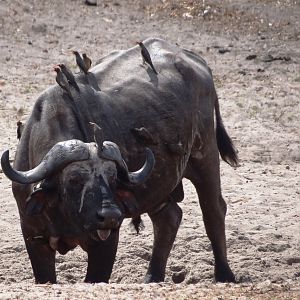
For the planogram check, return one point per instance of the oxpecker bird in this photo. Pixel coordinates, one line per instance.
(79, 62)
(146, 56)
(143, 136)
(98, 133)
(20, 127)
(87, 62)
(70, 77)
(62, 80)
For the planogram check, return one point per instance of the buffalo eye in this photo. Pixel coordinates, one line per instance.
(112, 178)
(112, 182)
(75, 182)
(110, 174)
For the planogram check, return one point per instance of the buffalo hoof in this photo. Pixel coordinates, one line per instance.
(151, 278)
(224, 275)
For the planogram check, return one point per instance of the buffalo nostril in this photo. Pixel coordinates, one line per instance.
(109, 217)
(100, 216)
(110, 213)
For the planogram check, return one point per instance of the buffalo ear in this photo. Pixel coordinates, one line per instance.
(35, 203)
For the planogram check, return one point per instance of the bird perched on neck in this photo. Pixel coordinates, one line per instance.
(20, 127)
(146, 56)
(69, 75)
(98, 133)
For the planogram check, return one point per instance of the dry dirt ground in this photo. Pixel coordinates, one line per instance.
(253, 50)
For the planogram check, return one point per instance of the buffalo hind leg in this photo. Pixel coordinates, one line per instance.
(165, 225)
(42, 259)
(101, 258)
(206, 178)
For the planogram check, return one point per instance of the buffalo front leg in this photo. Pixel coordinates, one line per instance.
(42, 259)
(206, 179)
(101, 258)
(165, 225)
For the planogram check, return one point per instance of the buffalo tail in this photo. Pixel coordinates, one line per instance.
(225, 144)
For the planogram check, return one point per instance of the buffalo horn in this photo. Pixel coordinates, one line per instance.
(140, 176)
(58, 157)
(111, 151)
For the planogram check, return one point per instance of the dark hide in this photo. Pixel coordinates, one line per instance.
(176, 109)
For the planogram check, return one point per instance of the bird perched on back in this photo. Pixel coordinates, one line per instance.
(70, 77)
(62, 80)
(87, 62)
(79, 62)
(143, 136)
(84, 63)
(146, 56)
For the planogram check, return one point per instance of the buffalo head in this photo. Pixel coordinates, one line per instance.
(80, 179)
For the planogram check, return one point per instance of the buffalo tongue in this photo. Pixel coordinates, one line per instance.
(103, 234)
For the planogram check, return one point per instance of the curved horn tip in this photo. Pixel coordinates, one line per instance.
(4, 158)
(6, 166)
(5, 154)
(150, 156)
(140, 176)
(8, 170)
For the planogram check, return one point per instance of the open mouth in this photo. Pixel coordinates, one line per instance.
(103, 234)
(97, 232)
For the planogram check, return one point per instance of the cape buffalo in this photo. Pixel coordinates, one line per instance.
(74, 184)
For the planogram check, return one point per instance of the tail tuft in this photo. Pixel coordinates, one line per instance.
(225, 144)
(137, 223)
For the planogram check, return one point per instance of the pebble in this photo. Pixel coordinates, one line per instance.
(91, 2)
(293, 260)
(39, 28)
(223, 50)
(251, 57)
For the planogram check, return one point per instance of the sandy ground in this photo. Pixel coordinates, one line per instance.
(253, 50)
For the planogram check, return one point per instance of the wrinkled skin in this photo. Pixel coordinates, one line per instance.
(177, 108)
